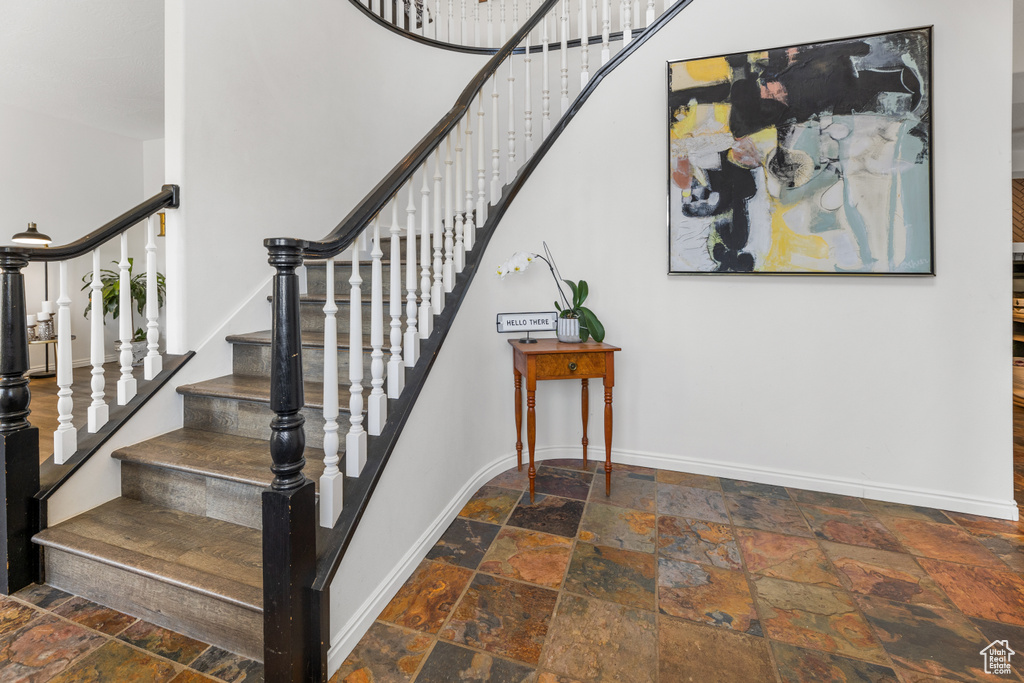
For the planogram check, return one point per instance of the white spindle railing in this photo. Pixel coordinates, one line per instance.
(481, 161)
(459, 254)
(98, 412)
(65, 439)
(495, 145)
(377, 403)
(426, 319)
(331, 480)
(627, 21)
(437, 286)
(449, 210)
(126, 386)
(396, 367)
(154, 363)
(563, 22)
(469, 225)
(355, 440)
(510, 170)
(412, 336)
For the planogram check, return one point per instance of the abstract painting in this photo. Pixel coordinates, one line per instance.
(811, 158)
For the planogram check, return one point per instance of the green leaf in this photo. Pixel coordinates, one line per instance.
(584, 290)
(574, 290)
(558, 307)
(593, 324)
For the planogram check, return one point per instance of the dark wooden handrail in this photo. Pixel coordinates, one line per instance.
(169, 197)
(357, 220)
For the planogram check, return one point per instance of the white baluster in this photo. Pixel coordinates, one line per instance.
(593, 18)
(98, 411)
(396, 367)
(515, 15)
(469, 227)
(490, 23)
(627, 22)
(463, 31)
(606, 29)
(449, 210)
(154, 362)
(459, 252)
(564, 21)
(545, 92)
(355, 441)
(377, 404)
(426, 325)
(411, 14)
(437, 288)
(481, 163)
(502, 34)
(495, 145)
(126, 385)
(412, 336)
(510, 171)
(389, 11)
(476, 24)
(451, 21)
(527, 106)
(437, 16)
(584, 46)
(331, 481)
(65, 438)
(650, 13)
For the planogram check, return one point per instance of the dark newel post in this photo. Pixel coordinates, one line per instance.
(289, 514)
(19, 441)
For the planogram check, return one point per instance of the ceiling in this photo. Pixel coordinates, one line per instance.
(97, 63)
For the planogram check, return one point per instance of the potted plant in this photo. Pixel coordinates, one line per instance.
(111, 292)
(576, 323)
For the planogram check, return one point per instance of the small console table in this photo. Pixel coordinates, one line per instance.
(552, 359)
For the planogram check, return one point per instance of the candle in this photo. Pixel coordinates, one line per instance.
(44, 316)
(48, 307)
(31, 320)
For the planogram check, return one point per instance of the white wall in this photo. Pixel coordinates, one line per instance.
(69, 179)
(307, 107)
(896, 389)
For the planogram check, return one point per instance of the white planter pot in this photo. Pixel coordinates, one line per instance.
(568, 330)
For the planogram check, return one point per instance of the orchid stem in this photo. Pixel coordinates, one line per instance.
(558, 284)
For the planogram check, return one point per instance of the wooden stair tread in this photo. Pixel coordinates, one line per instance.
(201, 554)
(212, 454)
(310, 340)
(246, 388)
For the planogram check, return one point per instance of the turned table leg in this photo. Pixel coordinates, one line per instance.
(519, 420)
(585, 401)
(531, 433)
(607, 440)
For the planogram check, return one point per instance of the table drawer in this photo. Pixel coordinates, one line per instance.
(570, 365)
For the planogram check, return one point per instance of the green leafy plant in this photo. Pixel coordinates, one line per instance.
(590, 326)
(111, 281)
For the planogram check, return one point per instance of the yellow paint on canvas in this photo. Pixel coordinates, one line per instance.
(699, 72)
(786, 244)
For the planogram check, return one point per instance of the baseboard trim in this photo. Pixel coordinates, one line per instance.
(349, 635)
(346, 639)
(908, 495)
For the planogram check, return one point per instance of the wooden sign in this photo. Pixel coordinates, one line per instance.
(527, 322)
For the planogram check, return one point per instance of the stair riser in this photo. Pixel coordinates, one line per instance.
(254, 361)
(316, 278)
(210, 620)
(252, 419)
(194, 493)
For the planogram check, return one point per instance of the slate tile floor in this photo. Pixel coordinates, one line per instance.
(681, 577)
(49, 635)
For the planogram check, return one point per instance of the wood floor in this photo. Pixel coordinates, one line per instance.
(44, 401)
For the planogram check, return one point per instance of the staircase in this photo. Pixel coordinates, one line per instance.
(182, 546)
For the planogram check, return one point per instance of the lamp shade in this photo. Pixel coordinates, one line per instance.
(31, 236)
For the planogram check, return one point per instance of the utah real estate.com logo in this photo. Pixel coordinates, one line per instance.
(997, 658)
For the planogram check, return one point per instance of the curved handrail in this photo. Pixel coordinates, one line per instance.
(332, 543)
(169, 197)
(354, 223)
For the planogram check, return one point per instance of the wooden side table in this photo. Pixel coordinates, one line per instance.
(552, 359)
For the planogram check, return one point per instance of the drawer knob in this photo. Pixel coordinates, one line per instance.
(572, 367)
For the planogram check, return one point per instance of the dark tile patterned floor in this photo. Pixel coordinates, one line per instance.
(681, 577)
(49, 635)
